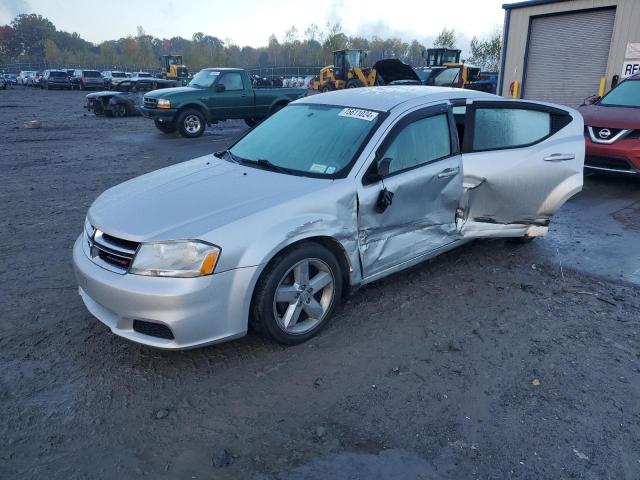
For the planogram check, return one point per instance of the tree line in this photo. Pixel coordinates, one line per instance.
(33, 38)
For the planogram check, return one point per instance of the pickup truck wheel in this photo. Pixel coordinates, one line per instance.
(297, 294)
(252, 121)
(191, 123)
(165, 127)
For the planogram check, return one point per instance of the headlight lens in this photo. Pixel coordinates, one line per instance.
(182, 258)
(88, 228)
(164, 103)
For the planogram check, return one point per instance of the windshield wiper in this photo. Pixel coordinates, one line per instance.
(232, 157)
(267, 165)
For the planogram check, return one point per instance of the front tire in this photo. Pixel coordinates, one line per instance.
(297, 294)
(354, 83)
(120, 110)
(165, 127)
(191, 123)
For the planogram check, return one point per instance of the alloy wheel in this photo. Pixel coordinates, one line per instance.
(192, 124)
(303, 296)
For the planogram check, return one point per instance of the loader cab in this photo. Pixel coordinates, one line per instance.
(437, 57)
(345, 60)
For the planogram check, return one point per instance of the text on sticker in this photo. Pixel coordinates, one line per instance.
(367, 115)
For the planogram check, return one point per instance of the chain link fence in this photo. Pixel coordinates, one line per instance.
(40, 66)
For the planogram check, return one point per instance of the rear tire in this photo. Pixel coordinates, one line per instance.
(191, 123)
(328, 87)
(165, 127)
(291, 306)
(120, 110)
(252, 121)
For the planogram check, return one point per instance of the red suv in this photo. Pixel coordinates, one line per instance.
(612, 129)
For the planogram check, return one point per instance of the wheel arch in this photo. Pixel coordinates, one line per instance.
(196, 106)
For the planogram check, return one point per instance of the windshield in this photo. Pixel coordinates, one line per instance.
(204, 78)
(352, 59)
(627, 94)
(312, 139)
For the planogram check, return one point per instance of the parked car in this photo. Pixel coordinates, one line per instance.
(34, 80)
(86, 80)
(12, 78)
(55, 79)
(23, 77)
(331, 193)
(112, 78)
(126, 98)
(214, 94)
(4, 83)
(142, 75)
(612, 132)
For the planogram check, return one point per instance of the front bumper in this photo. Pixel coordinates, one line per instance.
(162, 115)
(622, 156)
(199, 311)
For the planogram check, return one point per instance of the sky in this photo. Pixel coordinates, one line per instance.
(250, 22)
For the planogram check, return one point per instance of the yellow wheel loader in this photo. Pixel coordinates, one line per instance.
(173, 68)
(347, 72)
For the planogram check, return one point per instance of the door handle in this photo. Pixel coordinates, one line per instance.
(559, 157)
(448, 172)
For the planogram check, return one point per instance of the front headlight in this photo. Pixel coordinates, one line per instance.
(164, 103)
(181, 258)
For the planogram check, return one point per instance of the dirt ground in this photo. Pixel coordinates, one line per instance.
(494, 361)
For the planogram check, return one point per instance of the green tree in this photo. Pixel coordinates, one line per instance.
(445, 39)
(486, 53)
(30, 33)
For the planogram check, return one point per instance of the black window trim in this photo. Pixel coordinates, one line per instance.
(559, 119)
(412, 117)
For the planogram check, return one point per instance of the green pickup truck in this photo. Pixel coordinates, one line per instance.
(213, 95)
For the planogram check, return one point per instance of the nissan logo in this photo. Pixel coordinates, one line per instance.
(604, 133)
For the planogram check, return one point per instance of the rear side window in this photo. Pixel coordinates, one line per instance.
(418, 143)
(496, 128)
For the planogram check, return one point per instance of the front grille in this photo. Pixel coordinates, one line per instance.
(153, 329)
(606, 162)
(150, 102)
(115, 252)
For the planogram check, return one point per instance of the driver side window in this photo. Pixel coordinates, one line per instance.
(418, 143)
(231, 81)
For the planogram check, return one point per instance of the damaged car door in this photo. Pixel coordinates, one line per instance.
(410, 192)
(522, 161)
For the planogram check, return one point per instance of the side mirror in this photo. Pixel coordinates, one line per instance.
(377, 171)
(592, 99)
(219, 88)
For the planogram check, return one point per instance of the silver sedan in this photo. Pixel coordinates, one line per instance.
(331, 193)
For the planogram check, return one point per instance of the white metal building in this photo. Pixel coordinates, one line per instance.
(563, 51)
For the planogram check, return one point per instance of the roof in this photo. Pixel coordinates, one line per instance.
(384, 99)
(529, 3)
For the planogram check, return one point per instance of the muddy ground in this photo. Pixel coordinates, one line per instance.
(496, 360)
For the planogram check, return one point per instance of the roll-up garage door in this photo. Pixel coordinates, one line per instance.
(567, 56)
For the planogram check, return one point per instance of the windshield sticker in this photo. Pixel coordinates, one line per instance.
(367, 115)
(317, 168)
(330, 170)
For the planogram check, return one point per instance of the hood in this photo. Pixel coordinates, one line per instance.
(611, 117)
(190, 199)
(165, 92)
(102, 93)
(392, 70)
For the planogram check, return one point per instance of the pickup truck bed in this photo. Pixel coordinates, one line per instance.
(215, 94)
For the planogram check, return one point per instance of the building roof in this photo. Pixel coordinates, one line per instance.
(529, 3)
